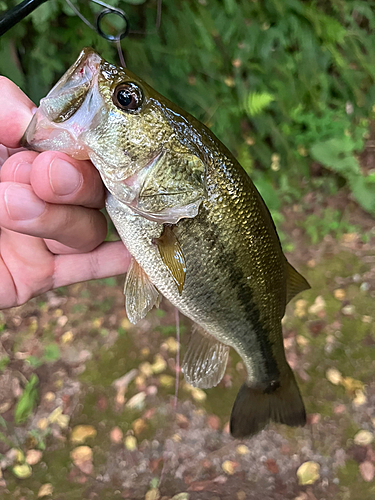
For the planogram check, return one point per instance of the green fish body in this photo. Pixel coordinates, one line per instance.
(197, 228)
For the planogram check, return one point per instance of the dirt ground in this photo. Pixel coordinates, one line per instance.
(88, 408)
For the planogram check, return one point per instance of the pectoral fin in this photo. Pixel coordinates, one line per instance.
(295, 284)
(172, 256)
(205, 360)
(140, 294)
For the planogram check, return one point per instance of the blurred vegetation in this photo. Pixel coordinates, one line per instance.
(283, 83)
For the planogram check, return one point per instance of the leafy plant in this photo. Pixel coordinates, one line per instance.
(288, 77)
(27, 400)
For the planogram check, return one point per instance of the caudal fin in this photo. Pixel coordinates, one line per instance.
(253, 408)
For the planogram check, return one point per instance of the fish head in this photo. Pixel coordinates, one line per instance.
(102, 111)
(105, 113)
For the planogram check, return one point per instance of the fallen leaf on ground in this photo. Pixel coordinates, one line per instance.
(242, 449)
(229, 467)
(137, 401)
(334, 376)
(367, 471)
(167, 381)
(308, 473)
(181, 496)
(22, 471)
(45, 490)
(153, 494)
(33, 456)
(82, 458)
(300, 308)
(57, 417)
(363, 438)
(339, 294)
(116, 435)
(318, 306)
(198, 394)
(139, 425)
(271, 465)
(82, 432)
(159, 364)
(351, 385)
(360, 398)
(213, 421)
(130, 443)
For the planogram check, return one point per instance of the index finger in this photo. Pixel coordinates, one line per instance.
(15, 113)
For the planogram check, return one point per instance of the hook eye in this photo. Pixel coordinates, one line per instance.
(121, 32)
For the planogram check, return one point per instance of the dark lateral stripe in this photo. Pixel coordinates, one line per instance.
(244, 294)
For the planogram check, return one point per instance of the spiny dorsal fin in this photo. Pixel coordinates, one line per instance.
(172, 255)
(205, 359)
(295, 282)
(140, 294)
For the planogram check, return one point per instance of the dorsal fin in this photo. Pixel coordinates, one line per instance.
(295, 282)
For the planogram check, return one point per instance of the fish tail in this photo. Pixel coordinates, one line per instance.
(254, 408)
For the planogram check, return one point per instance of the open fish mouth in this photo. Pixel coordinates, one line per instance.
(68, 110)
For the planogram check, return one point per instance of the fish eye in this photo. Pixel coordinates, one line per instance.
(128, 97)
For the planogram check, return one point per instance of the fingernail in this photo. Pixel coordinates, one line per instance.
(63, 177)
(22, 173)
(22, 204)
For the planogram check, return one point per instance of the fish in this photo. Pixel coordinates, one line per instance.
(198, 230)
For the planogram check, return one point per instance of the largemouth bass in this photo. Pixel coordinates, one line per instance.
(198, 230)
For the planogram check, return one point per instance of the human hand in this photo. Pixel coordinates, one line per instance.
(51, 227)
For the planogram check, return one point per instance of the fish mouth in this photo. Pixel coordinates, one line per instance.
(68, 110)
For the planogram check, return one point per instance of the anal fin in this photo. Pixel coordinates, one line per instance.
(140, 294)
(205, 360)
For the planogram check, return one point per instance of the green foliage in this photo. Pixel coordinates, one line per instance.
(330, 221)
(27, 400)
(291, 77)
(257, 102)
(50, 354)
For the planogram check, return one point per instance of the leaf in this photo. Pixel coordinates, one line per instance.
(363, 438)
(45, 490)
(257, 102)
(82, 432)
(308, 473)
(367, 471)
(22, 471)
(27, 400)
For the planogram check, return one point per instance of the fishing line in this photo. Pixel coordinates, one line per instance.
(108, 9)
(177, 318)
